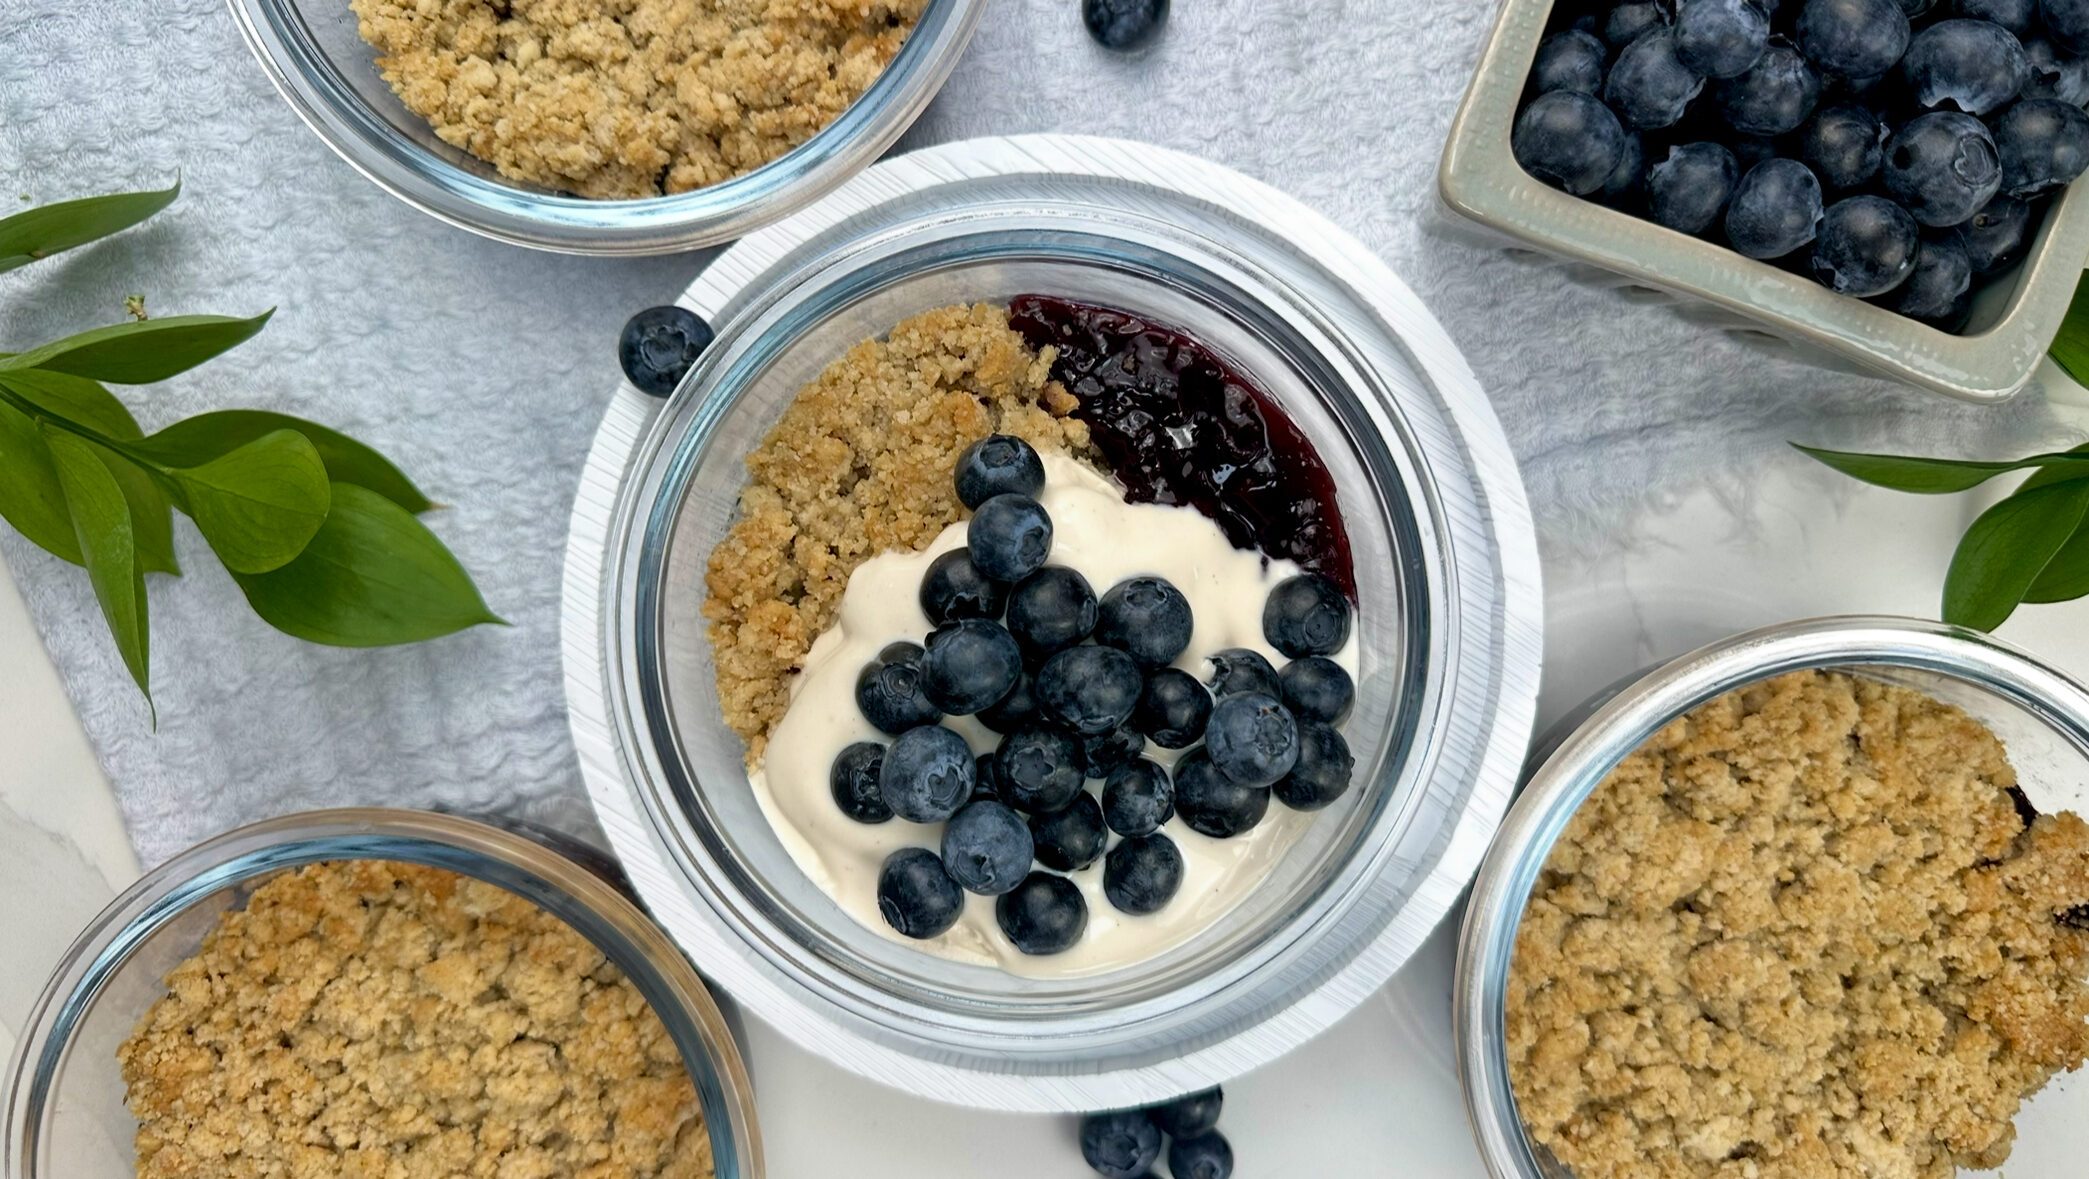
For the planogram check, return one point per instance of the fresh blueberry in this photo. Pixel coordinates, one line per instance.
(901, 651)
(986, 783)
(2067, 23)
(1971, 65)
(1322, 772)
(1720, 38)
(998, 464)
(1124, 25)
(1775, 209)
(1238, 670)
(971, 664)
(1173, 708)
(1317, 688)
(1866, 246)
(2015, 15)
(889, 691)
(1050, 610)
(1253, 739)
(1104, 752)
(1632, 19)
(1203, 1156)
(1146, 617)
(2043, 143)
(1942, 167)
(1773, 97)
(1043, 915)
(954, 587)
(854, 782)
(1649, 86)
(1627, 184)
(1306, 615)
(927, 775)
(1189, 1115)
(1937, 289)
(1142, 873)
(1750, 150)
(658, 345)
(2054, 74)
(1014, 710)
(1089, 689)
(1853, 38)
(1009, 536)
(1687, 191)
(1138, 798)
(1996, 237)
(1568, 140)
(916, 895)
(1120, 1145)
(1212, 803)
(1570, 60)
(987, 848)
(1844, 145)
(1071, 837)
(1039, 768)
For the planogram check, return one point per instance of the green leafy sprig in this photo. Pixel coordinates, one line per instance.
(318, 529)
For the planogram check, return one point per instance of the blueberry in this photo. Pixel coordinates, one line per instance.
(1936, 291)
(986, 777)
(1145, 617)
(1317, 688)
(1720, 38)
(1916, 9)
(998, 464)
(1649, 86)
(1120, 1145)
(1971, 65)
(1773, 97)
(1173, 708)
(1238, 669)
(1043, 915)
(1572, 60)
(2043, 143)
(1104, 752)
(1750, 150)
(1212, 803)
(927, 774)
(971, 664)
(1853, 38)
(1306, 615)
(2015, 15)
(1687, 191)
(2067, 23)
(1009, 536)
(1142, 873)
(915, 895)
(1050, 610)
(1138, 798)
(1942, 167)
(1088, 689)
(954, 587)
(1322, 772)
(1775, 209)
(1039, 768)
(889, 691)
(1627, 182)
(853, 781)
(1189, 1115)
(1996, 237)
(1568, 140)
(1866, 246)
(901, 651)
(1844, 145)
(1632, 19)
(1071, 837)
(986, 848)
(658, 345)
(1014, 710)
(1124, 25)
(1202, 1156)
(1253, 739)
(2054, 74)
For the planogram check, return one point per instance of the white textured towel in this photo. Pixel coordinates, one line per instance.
(482, 368)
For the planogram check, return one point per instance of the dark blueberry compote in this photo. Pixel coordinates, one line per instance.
(1180, 426)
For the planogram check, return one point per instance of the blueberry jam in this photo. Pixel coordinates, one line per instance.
(1179, 426)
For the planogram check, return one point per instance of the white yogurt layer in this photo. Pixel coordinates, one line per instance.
(1106, 540)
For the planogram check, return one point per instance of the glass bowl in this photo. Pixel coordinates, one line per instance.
(312, 52)
(64, 1114)
(1449, 617)
(2041, 716)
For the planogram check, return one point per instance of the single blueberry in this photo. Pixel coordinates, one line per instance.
(1071, 837)
(1773, 97)
(1322, 772)
(1775, 209)
(1039, 768)
(1568, 140)
(1995, 238)
(1173, 708)
(1050, 610)
(2043, 143)
(1853, 38)
(1014, 710)
(954, 587)
(2015, 15)
(1844, 145)
(853, 781)
(916, 895)
(1971, 65)
(998, 464)
(1687, 191)
(1942, 167)
(1120, 1145)
(1142, 873)
(1721, 38)
(1138, 798)
(1104, 752)
(1306, 615)
(901, 651)
(987, 848)
(889, 691)
(1937, 289)
(1202, 1156)
(1212, 803)
(1124, 25)
(658, 345)
(1253, 739)
(1866, 246)
(1189, 1115)
(1632, 19)
(1649, 86)
(1317, 688)
(2067, 23)
(927, 774)
(971, 664)
(1147, 618)
(1043, 915)
(1009, 537)
(1089, 689)
(1626, 187)
(1570, 60)
(2055, 74)
(1237, 670)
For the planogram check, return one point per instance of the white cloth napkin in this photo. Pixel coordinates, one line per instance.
(482, 368)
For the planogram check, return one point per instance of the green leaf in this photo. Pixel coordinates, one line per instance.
(152, 522)
(76, 399)
(260, 505)
(372, 576)
(46, 230)
(31, 498)
(2070, 348)
(140, 352)
(102, 524)
(2048, 476)
(1934, 476)
(2006, 550)
(194, 441)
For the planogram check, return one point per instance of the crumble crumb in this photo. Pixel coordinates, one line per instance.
(1802, 933)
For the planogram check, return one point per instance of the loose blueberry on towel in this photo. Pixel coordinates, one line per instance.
(915, 895)
(889, 690)
(1687, 191)
(970, 665)
(1844, 145)
(1204, 1156)
(1138, 798)
(1070, 838)
(1145, 617)
(853, 781)
(659, 344)
(1317, 688)
(1142, 873)
(1866, 246)
(1173, 709)
(1775, 209)
(1009, 537)
(927, 775)
(954, 587)
(1124, 25)
(1306, 615)
(997, 465)
(1051, 610)
(1043, 915)
(1189, 1115)
(1089, 689)
(2043, 143)
(1120, 1145)
(1040, 768)
(987, 848)
(1212, 803)
(1942, 167)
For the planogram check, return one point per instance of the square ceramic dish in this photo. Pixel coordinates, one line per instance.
(2013, 320)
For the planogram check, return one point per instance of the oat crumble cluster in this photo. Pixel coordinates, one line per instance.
(858, 465)
(372, 1020)
(619, 99)
(1802, 933)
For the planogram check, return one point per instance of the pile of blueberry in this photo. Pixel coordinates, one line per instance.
(1077, 686)
(1897, 150)
(1125, 1143)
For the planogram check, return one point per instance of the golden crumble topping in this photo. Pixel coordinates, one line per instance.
(617, 99)
(373, 1020)
(1802, 933)
(860, 463)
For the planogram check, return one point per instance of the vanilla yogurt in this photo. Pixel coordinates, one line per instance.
(1106, 540)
